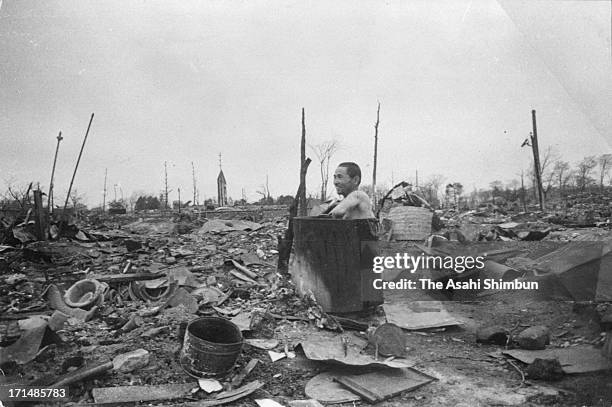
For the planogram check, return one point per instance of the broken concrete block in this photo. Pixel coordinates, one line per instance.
(497, 335)
(210, 385)
(534, 338)
(545, 369)
(155, 331)
(57, 320)
(134, 322)
(132, 245)
(305, 403)
(13, 279)
(130, 361)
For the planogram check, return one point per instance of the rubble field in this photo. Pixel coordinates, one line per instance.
(103, 310)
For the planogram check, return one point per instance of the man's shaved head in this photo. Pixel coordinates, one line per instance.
(352, 170)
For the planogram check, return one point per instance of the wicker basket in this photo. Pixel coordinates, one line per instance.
(410, 222)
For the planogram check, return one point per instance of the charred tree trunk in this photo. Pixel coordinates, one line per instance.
(375, 156)
(303, 167)
(285, 241)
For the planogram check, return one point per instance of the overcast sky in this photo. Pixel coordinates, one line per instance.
(184, 81)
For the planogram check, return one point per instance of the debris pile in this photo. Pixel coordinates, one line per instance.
(105, 310)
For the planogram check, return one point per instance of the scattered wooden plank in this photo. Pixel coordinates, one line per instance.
(239, 378)
(128, 394)
(243, 277)
(361, 391)
(83, 373)
(244, 269)
(126, 278)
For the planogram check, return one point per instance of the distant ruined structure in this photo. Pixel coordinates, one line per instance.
(221, 186)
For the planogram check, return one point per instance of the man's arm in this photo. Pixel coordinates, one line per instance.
(329, 205)
(348, 204)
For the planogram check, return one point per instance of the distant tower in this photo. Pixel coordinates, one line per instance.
(221, 186)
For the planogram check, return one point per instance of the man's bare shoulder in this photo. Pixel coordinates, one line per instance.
(360, 195)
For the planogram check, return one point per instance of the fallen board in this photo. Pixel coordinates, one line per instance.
(577, 359)
(383, 384)
(127, 394)
(404, 317)
(323, 388)
(332, 350)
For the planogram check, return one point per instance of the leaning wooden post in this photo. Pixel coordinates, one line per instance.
(50, 197)
(77, 164)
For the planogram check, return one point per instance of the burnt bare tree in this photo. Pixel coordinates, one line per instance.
(17, 193)
(584, 170)
(547, 170)
(264, 191)
(604, 160)
(434, 182)
(561, 170)
(324, 152)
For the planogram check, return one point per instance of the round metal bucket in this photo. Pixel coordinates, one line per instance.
(211, 347)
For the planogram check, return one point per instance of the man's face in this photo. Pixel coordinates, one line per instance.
(343, 182)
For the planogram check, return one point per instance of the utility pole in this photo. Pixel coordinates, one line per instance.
(50, 197)
(104, 196)
(375, 155)
(416, 178)
(523, 192)
(77, 164)
(179, 194)
(195, 202)
(166, 184)
(536, 160)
